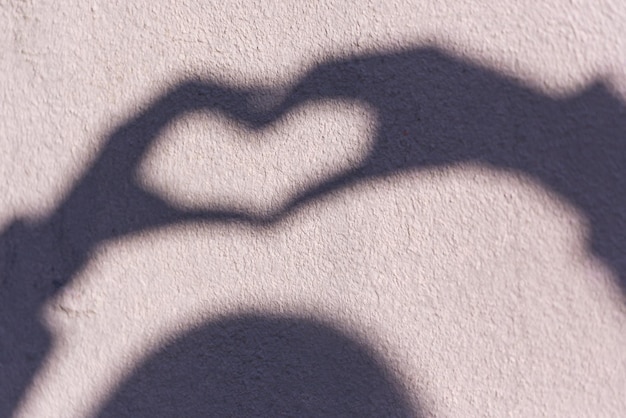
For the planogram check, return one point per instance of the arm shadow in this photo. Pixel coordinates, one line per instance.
(432, 110)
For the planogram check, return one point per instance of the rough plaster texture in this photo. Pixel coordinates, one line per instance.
(312, 208)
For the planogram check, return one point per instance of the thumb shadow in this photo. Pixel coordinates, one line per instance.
(261, 366)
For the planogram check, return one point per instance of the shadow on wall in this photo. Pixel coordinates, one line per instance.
(433, 110)
(254, 366)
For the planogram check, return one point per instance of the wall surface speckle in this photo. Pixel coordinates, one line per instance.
(325, 208)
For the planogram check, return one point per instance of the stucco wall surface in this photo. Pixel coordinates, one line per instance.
(287, 208)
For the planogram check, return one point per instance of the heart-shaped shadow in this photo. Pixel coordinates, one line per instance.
(208, 161)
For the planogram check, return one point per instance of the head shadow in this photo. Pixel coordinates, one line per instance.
(261, 366)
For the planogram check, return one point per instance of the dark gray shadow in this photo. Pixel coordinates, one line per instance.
(259, 366)
(433, 110)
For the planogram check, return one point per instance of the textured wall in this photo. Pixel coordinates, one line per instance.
(312, 208)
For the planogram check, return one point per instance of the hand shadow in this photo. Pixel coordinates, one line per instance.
(432, 110)
(261, 366)
(40, 258)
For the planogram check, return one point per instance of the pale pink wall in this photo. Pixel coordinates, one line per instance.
(184, 227)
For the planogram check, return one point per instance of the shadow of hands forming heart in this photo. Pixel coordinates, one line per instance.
(426, 109)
